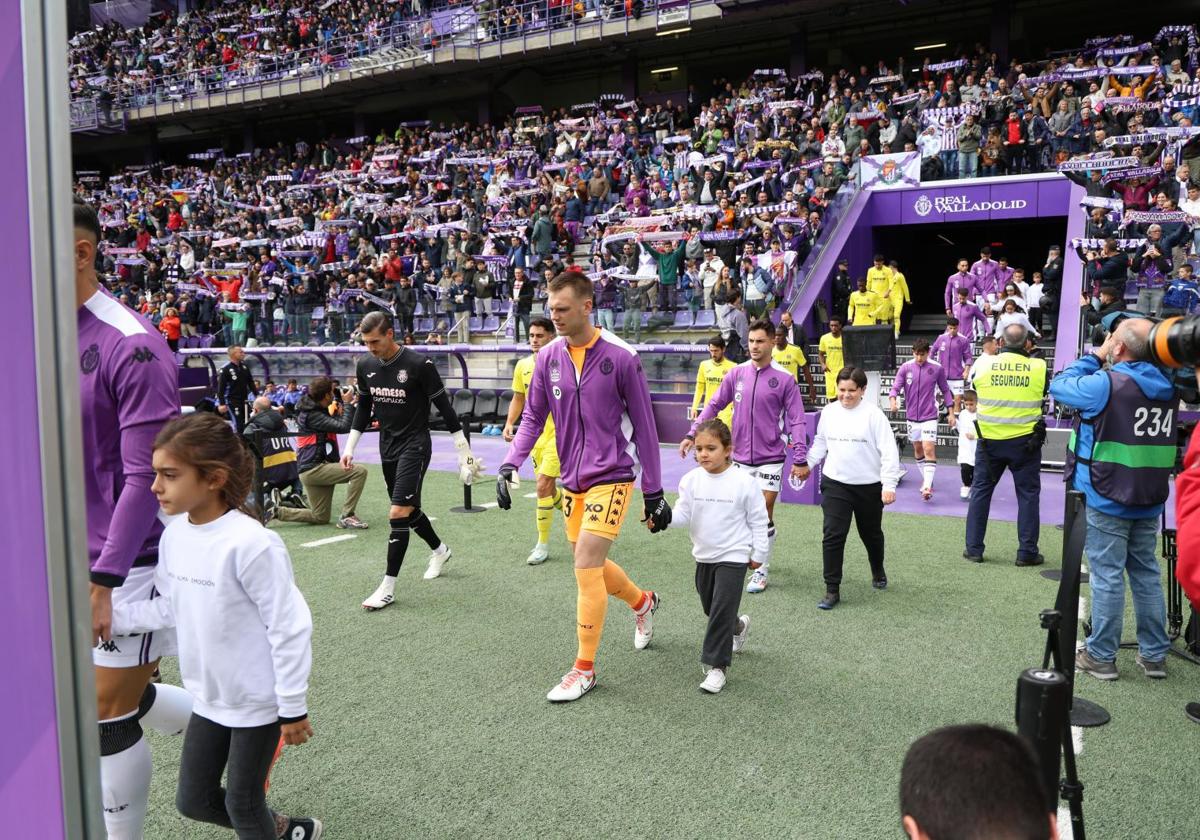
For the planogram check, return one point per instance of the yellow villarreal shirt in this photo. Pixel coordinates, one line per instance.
(522, 376)
(862, 308)
(879, 281)
(900, 291)
(708, 380)
(790, 357)
(832, 348)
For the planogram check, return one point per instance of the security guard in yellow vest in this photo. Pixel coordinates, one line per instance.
(1011, 388)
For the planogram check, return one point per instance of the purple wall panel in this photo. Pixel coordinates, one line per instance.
(30, 782)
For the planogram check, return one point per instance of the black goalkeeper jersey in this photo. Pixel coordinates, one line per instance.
(398, 393)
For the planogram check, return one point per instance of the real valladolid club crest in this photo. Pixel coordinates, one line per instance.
(922, 206)
(889, 173)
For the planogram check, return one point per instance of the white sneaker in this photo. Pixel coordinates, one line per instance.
(739, 639)
(926, 492)
(380, 598)
(539, 555)
(575, 684)
(643, 625)
(714, 681)
(964, 492)
(437, 560)
(758, 581)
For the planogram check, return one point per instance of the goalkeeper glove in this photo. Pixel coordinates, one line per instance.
(469, 467)
(506, 481)
(658, 512)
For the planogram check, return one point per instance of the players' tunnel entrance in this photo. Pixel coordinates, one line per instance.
(928, 254)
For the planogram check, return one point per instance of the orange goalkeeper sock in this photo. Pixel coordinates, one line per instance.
(618, 583)
(590, 609)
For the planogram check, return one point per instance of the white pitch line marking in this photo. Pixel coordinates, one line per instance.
(531, 495)
(490, 505)
(328, 540)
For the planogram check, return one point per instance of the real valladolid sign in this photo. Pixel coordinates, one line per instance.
(952, 204)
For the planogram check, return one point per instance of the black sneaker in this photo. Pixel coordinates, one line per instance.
(829, 601)
(1192, 710)
(974, 558)
(302, 828)
(879, 583)
(1031, 561)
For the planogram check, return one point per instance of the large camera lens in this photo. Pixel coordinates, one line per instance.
(1175, 342)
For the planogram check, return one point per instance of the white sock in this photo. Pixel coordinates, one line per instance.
(928, 471)
(389, 583)
(170, 711)
(441, 549)
(125, 789)
(766, 561)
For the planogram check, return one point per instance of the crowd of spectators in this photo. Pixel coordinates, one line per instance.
(693, 205)
(219, 45)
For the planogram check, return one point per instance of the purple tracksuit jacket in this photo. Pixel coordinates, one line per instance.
(919, 383)
(128, 388)
(968, 314)
(953, 353)
(767, 402)
(985, 276)
(956, 281)
(603, 420)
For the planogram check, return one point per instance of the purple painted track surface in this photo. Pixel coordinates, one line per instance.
(945, 501)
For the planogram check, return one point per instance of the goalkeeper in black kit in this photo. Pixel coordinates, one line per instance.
(396, 387)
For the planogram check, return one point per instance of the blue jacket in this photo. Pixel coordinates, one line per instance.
(1085, 386)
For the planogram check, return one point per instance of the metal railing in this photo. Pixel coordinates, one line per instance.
(829, 230)
(387, 47)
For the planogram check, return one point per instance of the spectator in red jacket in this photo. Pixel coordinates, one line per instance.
(1187, 536)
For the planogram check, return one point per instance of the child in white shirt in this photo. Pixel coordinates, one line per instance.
(244, 630)
(726, 516)
(967, 441)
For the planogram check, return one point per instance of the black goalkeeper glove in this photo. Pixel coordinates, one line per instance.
(506, 478)
(658, 512)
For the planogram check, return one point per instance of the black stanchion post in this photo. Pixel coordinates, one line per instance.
(1083, 712)
(259, 496)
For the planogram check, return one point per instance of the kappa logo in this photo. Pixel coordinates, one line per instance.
(606, 367)
(109, 647)
(143, 354)
(90, 360)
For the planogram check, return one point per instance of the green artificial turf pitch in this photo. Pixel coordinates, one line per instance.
(432, 722)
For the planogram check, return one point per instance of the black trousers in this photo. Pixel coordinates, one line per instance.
(719, 586)
(209, 750)
(967, 471)
(840, 502)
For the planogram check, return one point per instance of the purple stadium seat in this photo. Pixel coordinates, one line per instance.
(683, 319)
(206, 341)
(706, 318)
(475, 324)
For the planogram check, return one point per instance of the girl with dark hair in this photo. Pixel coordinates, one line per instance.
(726, 515)
(860, 474)
(225, 582)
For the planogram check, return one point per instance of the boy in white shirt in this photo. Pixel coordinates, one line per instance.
(967, 441)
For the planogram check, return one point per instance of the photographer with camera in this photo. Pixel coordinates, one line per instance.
(1121, 458)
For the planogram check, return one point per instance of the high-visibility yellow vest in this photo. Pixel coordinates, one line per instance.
(1010, 391)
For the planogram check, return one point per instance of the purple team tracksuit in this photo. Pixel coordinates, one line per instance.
(603, 419)
(128, 386)
(960, 280)
(767, 401)
(953, 353)
(920, 383)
